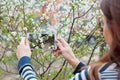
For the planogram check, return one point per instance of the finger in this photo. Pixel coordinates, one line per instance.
(26, 42)
(64, 43)
(54, 53)
(57, 53)
(18, 46)
(22, 41)
(59, 45)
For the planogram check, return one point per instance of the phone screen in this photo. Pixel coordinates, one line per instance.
(42, 41)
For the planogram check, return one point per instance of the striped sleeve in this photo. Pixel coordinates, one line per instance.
(25, 69)
(83, 75)
(77, 70)
(80, 74)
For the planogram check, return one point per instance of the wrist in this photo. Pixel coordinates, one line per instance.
(74, 62)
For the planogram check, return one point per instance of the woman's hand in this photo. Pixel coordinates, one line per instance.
(64, 49)
(23, 49)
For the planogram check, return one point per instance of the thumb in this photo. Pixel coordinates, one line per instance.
(59, 45)
(26, 42)
(22, 41)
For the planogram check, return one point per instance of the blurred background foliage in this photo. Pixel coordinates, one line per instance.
(77, 21)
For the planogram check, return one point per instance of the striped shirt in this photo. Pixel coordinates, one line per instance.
(105, 72)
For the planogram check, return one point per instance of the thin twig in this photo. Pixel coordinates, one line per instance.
(93, 52)
(59, 70)
(47, 68)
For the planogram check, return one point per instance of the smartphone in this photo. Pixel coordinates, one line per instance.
(45, 41)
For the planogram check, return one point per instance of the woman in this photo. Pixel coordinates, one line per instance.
(107, 68)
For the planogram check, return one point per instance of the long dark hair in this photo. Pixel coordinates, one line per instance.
(111, 10)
